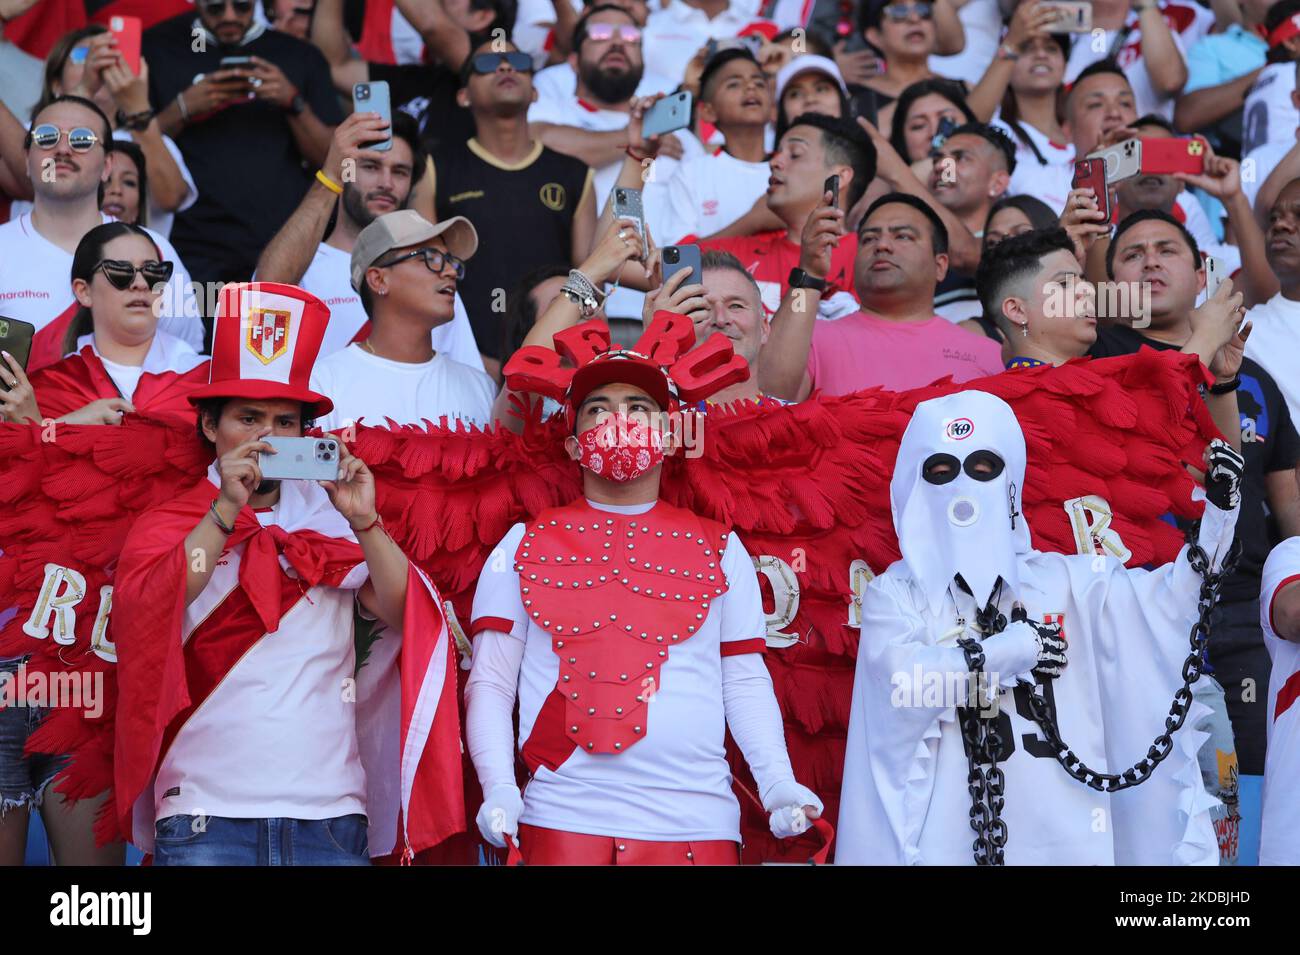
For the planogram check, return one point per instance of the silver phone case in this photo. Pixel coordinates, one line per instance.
(1123, 160)
(301, 459)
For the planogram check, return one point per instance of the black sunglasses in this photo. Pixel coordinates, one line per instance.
(80, 138)
(121, 274)
(485, 63)
(899, 12)
(434, 261)
(216, 6)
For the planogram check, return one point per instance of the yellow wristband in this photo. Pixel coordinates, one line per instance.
(328, 183)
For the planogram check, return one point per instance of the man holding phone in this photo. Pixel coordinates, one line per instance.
(251, 110)
(234, 612)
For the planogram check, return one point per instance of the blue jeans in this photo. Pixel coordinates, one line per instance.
(216, 840)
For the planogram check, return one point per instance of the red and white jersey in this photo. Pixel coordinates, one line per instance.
(708, 194)
(1279, 838)
(673, 35)
(1188, 22)
(1050, 182)
(328, 278)
(278, 736)
(675, 783)
(1269, 119)
(36, 283)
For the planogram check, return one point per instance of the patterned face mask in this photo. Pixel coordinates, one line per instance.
(620, 450)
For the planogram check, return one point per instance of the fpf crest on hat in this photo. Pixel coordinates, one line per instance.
(662, 362)
(264, 344)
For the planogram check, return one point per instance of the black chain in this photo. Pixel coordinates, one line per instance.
(984, 743)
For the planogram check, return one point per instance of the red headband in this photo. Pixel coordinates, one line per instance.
(1284, 31)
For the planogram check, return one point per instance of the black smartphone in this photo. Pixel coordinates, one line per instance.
(16, 339)
(832, 185)
(679, 257)
(946, 126)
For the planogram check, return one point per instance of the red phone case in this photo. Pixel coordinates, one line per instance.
(1168, 155)
(127, 31)
(1091, 174)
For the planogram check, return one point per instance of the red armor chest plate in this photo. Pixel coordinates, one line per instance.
(617, 592)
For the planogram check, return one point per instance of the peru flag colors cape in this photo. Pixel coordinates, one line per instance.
(806, 487)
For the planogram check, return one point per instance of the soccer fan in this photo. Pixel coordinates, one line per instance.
(1099, 108)
(379, 182)
(1279, 618)
(1271, 111)
(67, 165)
(964, 605)
(674, 32)
(118, 359)
(602, 713)
(907, 33)
(592, 125)
(248, 132)
(896, 341)
(809, 84)
(1221, 69)
(920, 109)
(88, 63)
(230, 662)
(1012, 215)
(1148, 40)
(1277, 322)
(1152, 248)
(509, 185)
(1019, 93)
(712, 191)
(290, 16)
(406, 271)
(126, 191)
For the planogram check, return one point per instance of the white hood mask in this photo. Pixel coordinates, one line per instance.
(959, 519)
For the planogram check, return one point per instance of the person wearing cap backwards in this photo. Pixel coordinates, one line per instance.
(971, 625)
(629, 631)
(233, 613)
(406, 270)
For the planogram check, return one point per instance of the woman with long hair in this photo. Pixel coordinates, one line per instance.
(126, 194)
(919, 114)
(809, 84)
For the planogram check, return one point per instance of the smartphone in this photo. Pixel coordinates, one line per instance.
(373, 98)
(946, 126)
(1072, 16)
(1091, 174)
(16, 339)
(127, 31)
(668, 115)
(236, 62)
(300, 459)
(1166, 155)
(627, 205)
(1215, 272)
(679, 257)
(832, 185)
(867, 104)
(1123, 160)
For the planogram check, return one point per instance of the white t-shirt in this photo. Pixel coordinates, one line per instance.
(672, 785)
(708, 193)
(277, 736)
(1279, 837)
(365, 386)
(329, 279)
(673, 35)
(1275, 343)
(1188, 22)
(982, 23)
(166, 353)
(36, 282)
(1051, 182)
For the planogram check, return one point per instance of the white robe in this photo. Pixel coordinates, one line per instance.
(904, 799)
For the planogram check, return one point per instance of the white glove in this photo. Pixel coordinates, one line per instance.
(785, 802)
(498, 817)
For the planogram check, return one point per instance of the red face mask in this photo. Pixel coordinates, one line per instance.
(620, 450)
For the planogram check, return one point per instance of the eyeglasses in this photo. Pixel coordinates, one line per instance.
(487, 63)
(899, 12)
(434, 260)
(602, 32)
(80, 138)
(212, 7)
(121, 274)
(78, 54)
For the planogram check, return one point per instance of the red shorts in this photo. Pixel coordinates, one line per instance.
(555, 847)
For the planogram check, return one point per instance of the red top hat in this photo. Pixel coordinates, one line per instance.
(265, 343)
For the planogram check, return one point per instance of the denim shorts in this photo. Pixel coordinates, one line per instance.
(22, 778)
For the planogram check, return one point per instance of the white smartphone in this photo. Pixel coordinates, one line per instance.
(668, 115)
(1123, 160)
(1072, 16)
(300, 459)
(627, 205)
(374, 98)
(1215, 272)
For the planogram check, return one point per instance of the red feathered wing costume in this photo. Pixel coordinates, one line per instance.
(806, 485)
(79, 379)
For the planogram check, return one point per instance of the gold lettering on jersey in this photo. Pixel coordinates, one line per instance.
(1090, 517)
(58, 603)
(553, 196)
(785, 593)
(463, 196)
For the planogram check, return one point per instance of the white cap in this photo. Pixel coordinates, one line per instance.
(808, 64)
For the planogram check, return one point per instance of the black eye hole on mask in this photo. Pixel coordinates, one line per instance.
(983, 465)
(940, 468)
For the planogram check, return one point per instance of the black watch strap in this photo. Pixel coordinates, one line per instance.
(297, 105)
(801, 279)
(1226, 387)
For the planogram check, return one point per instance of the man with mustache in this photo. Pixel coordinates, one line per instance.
(372, 183)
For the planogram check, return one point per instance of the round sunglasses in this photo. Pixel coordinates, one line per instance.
(434, 261)
(121, 274)
(80, 138)
(486, 63)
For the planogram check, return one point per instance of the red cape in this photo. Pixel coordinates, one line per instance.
(79, 379)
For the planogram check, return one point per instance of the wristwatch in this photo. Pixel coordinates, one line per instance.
(137, 122)
(297, 104)
(801, 279)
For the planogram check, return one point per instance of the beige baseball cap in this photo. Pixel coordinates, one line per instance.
(396, 230)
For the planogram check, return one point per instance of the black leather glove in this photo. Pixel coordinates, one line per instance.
(1224, 468)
